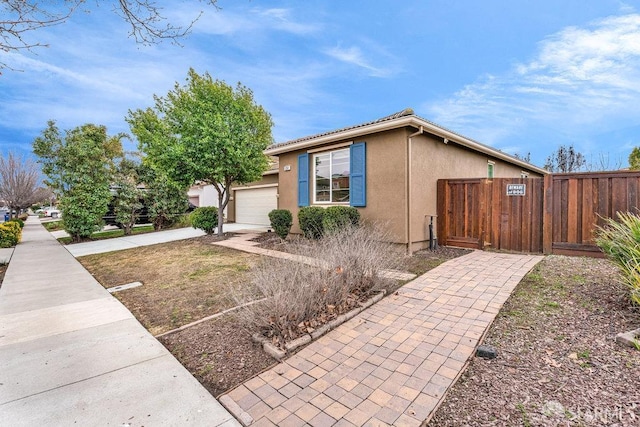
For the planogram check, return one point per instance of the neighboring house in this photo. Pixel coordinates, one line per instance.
(387, 168)
(248, 204)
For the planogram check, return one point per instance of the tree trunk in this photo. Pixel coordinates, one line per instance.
(221, 207)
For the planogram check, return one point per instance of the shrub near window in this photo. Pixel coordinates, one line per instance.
(338, 217)
(205, 218)
(281, 222)
(310, 219)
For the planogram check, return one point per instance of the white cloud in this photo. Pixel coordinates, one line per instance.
(223, 22)
(581, 79)
(354, 55)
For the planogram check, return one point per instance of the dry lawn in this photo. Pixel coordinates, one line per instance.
(183, 281)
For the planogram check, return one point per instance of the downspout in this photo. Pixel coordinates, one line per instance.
(408, 189)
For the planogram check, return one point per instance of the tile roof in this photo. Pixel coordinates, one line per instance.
(409, 113)
(403, 113)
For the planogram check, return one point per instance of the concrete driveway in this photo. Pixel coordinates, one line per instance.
(147, 239)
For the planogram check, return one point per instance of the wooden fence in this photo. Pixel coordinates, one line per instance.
(556, 214)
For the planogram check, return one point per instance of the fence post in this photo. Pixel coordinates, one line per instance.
(547, 215)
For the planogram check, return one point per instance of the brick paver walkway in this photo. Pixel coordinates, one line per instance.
(393, 363)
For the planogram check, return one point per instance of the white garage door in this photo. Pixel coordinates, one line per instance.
(254, 204)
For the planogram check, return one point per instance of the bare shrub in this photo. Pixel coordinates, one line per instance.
(301, 297)
(358, 254)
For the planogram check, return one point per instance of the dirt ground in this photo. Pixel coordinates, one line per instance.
(558, 363)
(3, 269)
(218, 353)
(183, 281)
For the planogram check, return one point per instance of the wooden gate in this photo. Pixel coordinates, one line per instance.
(501, 213)
(557, 214)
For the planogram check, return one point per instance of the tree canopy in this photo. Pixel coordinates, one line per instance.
(205, 131)
(79, 167)
(634, 159)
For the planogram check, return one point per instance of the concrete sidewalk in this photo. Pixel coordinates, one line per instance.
(5, 255)
(147, 239)
(392, 364)
(71, 354)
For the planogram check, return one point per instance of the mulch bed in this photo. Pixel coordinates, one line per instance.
(3, 269)
(219, 353)
(558, 363)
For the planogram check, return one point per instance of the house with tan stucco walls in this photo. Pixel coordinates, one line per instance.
(387, 168)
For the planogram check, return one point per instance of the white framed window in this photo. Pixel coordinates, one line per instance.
(331, 171)
(490, 169)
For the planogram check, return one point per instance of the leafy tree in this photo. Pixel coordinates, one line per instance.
(165, 199)
(19, 179)
(205, 131)
(146, 21)
(79, 167)
(127, 201)
(634, 159)
(565, 159)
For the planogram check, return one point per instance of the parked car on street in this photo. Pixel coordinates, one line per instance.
(52, 212)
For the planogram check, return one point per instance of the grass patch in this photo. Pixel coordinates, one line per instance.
(53, 225)
(183, 281)
(110, 234)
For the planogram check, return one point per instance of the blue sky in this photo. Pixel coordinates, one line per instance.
(521, 76)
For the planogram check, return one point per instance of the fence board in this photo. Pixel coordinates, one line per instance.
(557, 214)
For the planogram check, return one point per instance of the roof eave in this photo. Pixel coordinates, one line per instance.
(400, 122)
(461, 140)
(341, 135)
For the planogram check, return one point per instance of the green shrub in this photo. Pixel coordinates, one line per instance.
(281, 222)
(181, 221)
(620, 241)
(205, 218)
(19, 221)
(10, 234)
(310, 220)
(339, 217)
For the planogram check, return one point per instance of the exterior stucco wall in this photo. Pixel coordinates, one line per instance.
(432, 159)
(387, 187)
(386, 171)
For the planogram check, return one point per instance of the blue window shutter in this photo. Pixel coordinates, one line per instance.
(358, 184)
(303, 179)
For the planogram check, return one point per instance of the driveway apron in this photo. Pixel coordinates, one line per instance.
(394, 362)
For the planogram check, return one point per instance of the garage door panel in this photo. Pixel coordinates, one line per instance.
(253, 205)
